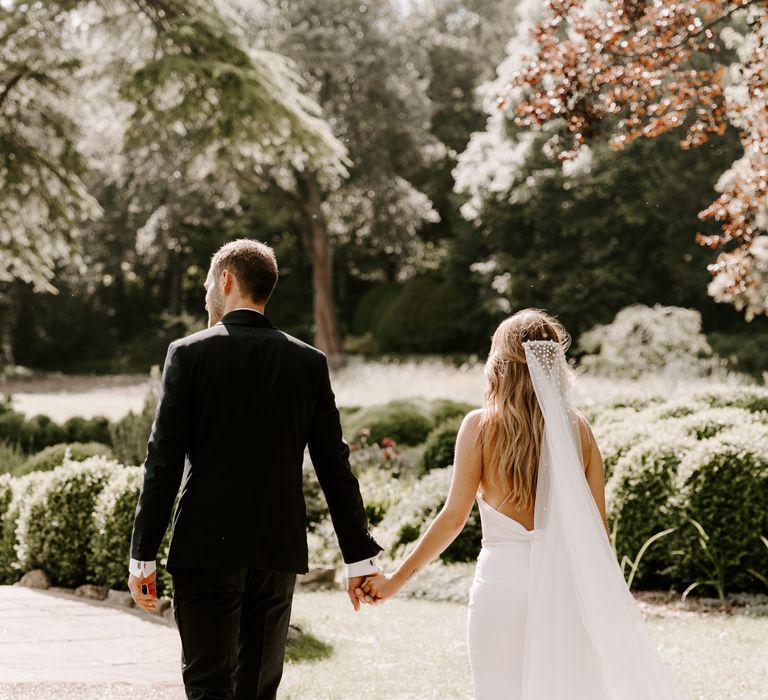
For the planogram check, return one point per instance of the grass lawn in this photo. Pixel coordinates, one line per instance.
(417, 649)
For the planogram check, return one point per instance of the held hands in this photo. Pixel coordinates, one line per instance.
(378, 588)
(146, 601)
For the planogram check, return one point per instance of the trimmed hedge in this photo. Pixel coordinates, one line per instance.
(36, 433)
(6, 496)
(701, 456)
(113, 512)
(722, 484)
(409, 518)
(22, 490)
(56, 526)
(405, 422)
(55, 455)
(441, 444)
(638, 495)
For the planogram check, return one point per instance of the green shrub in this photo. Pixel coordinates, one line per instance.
(751, 398)
(405, 422)
(22, 489)
(130, 434)
(722, 484)
(380, 491)
(6, 496)
(745, 352)
(641, 340)
(316, 507)
(56, 529)
(12, 428)
(113, 512)
(440, 445)
(40, 431)
(11, 458)
(408, 518)
(55, 455)
(616, 437)
(88, 430)
(638, 497)
(709, 422)
(444, 410)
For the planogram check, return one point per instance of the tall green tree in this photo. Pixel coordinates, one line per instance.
(369, 74)
(189, 79)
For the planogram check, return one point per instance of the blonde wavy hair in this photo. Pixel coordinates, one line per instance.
(512, 423)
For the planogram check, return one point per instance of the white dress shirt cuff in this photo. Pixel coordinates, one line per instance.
(141, 569)
(364, 567)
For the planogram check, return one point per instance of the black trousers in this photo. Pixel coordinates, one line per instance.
(233, 625)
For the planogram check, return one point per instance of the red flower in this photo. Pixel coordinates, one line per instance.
(387, 442)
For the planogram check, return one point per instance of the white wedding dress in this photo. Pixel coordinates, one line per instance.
(550, 615)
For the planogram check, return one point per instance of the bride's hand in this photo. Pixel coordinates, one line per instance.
(382, 587)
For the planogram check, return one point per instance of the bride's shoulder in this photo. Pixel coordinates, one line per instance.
(472, 421)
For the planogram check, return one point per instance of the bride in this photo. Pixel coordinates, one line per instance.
(550, 616)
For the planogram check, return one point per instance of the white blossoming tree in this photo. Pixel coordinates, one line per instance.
(186, 83)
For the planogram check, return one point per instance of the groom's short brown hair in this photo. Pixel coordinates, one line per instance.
(252, 263)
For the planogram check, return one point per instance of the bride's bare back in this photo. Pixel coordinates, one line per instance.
(495, 494)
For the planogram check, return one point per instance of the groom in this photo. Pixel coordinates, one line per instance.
(239, 402)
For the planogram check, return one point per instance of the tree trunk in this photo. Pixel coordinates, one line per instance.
(8, 316)
(318, 247)
(174, 287)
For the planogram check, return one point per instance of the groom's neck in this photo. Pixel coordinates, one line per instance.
(242, 303)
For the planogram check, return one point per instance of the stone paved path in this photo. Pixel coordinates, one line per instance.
(52, 646)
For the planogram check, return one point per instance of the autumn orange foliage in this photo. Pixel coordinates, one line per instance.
(623, 69)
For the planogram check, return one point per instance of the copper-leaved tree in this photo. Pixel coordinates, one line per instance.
(624, 69)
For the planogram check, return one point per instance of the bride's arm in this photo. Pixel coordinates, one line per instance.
(594, 471)
(450, 520)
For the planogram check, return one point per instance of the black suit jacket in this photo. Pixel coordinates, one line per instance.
(239, 403)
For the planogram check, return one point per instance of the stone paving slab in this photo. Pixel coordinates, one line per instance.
(54, 647)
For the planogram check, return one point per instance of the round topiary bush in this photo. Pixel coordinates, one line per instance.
(113, 512)
(55, 455)
(750, 398)
(56, 528)
(6, 496)
(96, 429)
(110, 549)
(722, 485)
(22, 489)
(407, 519)
(617, 432)
(39, 432)
(440, 445)
(405, 422)
(638, 497)
(707, 423)
(641, 339)
(443, 410)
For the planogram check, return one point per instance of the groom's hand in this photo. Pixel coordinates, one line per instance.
(353, 589)
(147, 601)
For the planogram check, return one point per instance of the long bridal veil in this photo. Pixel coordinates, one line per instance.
(585, 635)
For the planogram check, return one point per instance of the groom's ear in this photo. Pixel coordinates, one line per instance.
(227, 281)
